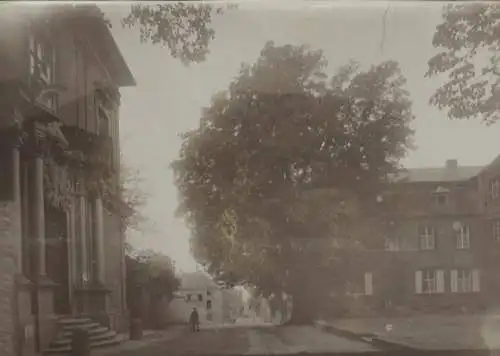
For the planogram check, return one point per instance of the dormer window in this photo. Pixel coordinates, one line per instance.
(440, 196)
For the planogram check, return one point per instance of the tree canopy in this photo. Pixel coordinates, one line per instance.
(184, 28)
(469, 43)
(282, 160)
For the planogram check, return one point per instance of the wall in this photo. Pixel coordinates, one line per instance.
(10, 238)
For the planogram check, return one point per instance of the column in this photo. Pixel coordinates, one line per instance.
(83, 240)
(39, 217)
(16, 176)
(99, 240)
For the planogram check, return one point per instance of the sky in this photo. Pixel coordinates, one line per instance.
(169, 96)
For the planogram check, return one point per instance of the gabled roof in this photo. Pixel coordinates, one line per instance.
(436, 174)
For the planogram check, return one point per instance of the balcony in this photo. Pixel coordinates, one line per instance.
(89, 150)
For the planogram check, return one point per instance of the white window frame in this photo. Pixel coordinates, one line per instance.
(42, 65)
(496, 229)
(429, 281)
(427, 237)
(464, 281)
(391, 243)
(463, 237)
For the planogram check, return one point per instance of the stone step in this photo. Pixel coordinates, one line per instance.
(65, 349)
(86, 326)
(99, 330)
(108, 334)
(74, 321)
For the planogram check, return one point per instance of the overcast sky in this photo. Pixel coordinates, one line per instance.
(168, 96)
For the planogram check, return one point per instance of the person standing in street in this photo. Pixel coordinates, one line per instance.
(194, 320)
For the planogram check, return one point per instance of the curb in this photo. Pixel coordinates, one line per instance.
(371, 339)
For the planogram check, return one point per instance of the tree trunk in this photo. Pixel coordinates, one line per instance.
(303, 309)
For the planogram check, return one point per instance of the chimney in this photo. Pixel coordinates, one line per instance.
(452, 164)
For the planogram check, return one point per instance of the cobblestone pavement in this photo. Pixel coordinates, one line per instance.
(245, 341)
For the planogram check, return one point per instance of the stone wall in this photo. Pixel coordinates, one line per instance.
(10, 238)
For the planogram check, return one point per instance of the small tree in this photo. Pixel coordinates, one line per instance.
(151, 282)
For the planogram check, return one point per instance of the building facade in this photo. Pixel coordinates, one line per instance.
(215, 304)
(197, 290)
(439, 246)
(62, 237)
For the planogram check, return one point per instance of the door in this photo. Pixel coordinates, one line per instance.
(57, 258)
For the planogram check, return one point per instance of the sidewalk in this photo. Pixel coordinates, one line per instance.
(150, 337)
(429, 332)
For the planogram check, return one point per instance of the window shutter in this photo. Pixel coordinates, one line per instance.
(418, 282)
(368, 283)
(476, 281)
(454, 281)
(440, 281)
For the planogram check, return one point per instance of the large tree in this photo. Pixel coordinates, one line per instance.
(469, 43)
(184, 29)
(280, 162)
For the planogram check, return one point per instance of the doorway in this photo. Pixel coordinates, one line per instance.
(56, 235)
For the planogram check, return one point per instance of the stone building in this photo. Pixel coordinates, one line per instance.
(440, 245)
(198, 290)
(215, 304)
(61, 232)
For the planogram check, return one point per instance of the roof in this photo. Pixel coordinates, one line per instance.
(437, 174)
(197, 280)
(90, 19)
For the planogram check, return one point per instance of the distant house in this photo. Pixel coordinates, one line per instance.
(198, 291)
(440, 246)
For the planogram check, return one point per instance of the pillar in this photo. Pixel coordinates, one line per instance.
(99, 241)
(16, 176)
(83, 239)
(39, 218)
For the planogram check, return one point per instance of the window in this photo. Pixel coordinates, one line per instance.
(429, 281)
(42, 66)
(496, 229)
(494, 189)
(209, 305)
(200, 298)
(209, 293)
(462, 236)
(427, 238)
(464, 281)
(188, 297)
(439, 199)
(391, 244)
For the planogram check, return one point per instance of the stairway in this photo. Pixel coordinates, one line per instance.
(100, 336)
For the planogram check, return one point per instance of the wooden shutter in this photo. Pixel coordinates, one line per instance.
(418, 282)
(368, 283)
(440, 281)
(476, 281)
(454, 281)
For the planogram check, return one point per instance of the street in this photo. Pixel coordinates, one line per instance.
(245, 340)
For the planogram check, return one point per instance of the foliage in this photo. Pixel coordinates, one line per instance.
(153, 271)
(133, 198)
(286, 156)
(467, 34)
(184, 28)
